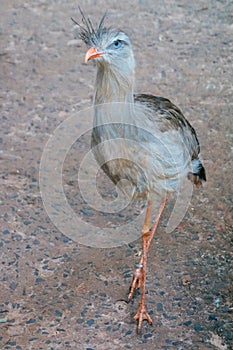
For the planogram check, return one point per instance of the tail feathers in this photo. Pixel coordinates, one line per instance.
(201, 173)
(198, 176)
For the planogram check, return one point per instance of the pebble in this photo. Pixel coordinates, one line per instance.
(190, 312)
(39, 280)
(58, 313)
(148, 335)
(80, 320)
(128, 253)
(197, 327)
(27, 222)
(90, 322)
(128, 274)
(87, 212)
(13, 285)
(11, 343)
(159, 307)
(32, 320)
(36, 242)
(212, 318)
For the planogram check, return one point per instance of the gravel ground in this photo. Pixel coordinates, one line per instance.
(57, 293)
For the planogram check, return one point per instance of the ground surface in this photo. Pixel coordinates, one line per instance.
(58, 294)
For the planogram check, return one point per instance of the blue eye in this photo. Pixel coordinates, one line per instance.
(117, 44)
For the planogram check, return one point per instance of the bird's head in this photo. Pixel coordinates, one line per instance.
(110, 48)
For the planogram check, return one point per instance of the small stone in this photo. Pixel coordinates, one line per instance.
(168, 341)
(190, 312)
(11, 343)
(159, 307)
(32, 320)
(39, 280)
(128, 253)
(212, 317)
(27, 222)
(58, 313)
(36, 242)
(131, 245)
(13, 285)
(148, 335)
(198, 327)
(186, 280)
(80, 320)
(90, 322)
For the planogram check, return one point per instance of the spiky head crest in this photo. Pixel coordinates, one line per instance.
(87, 32)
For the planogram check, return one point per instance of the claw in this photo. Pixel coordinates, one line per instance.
(142, 315)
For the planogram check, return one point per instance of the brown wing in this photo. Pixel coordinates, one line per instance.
(169, 116)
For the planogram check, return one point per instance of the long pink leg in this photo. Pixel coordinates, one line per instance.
(139, 278)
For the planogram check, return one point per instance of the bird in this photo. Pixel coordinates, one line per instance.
(138, 137)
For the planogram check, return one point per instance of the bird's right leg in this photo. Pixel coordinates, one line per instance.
(147, 235)
(137, 277)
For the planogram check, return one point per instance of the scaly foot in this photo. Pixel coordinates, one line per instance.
(141, 315)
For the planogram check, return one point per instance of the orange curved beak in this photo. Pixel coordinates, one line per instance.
(92, 53)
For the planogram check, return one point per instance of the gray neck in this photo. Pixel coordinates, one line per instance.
(112, 86)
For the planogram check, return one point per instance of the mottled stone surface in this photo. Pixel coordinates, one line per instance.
(58, 294)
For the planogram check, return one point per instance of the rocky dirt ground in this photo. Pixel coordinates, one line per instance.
(58, 294)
